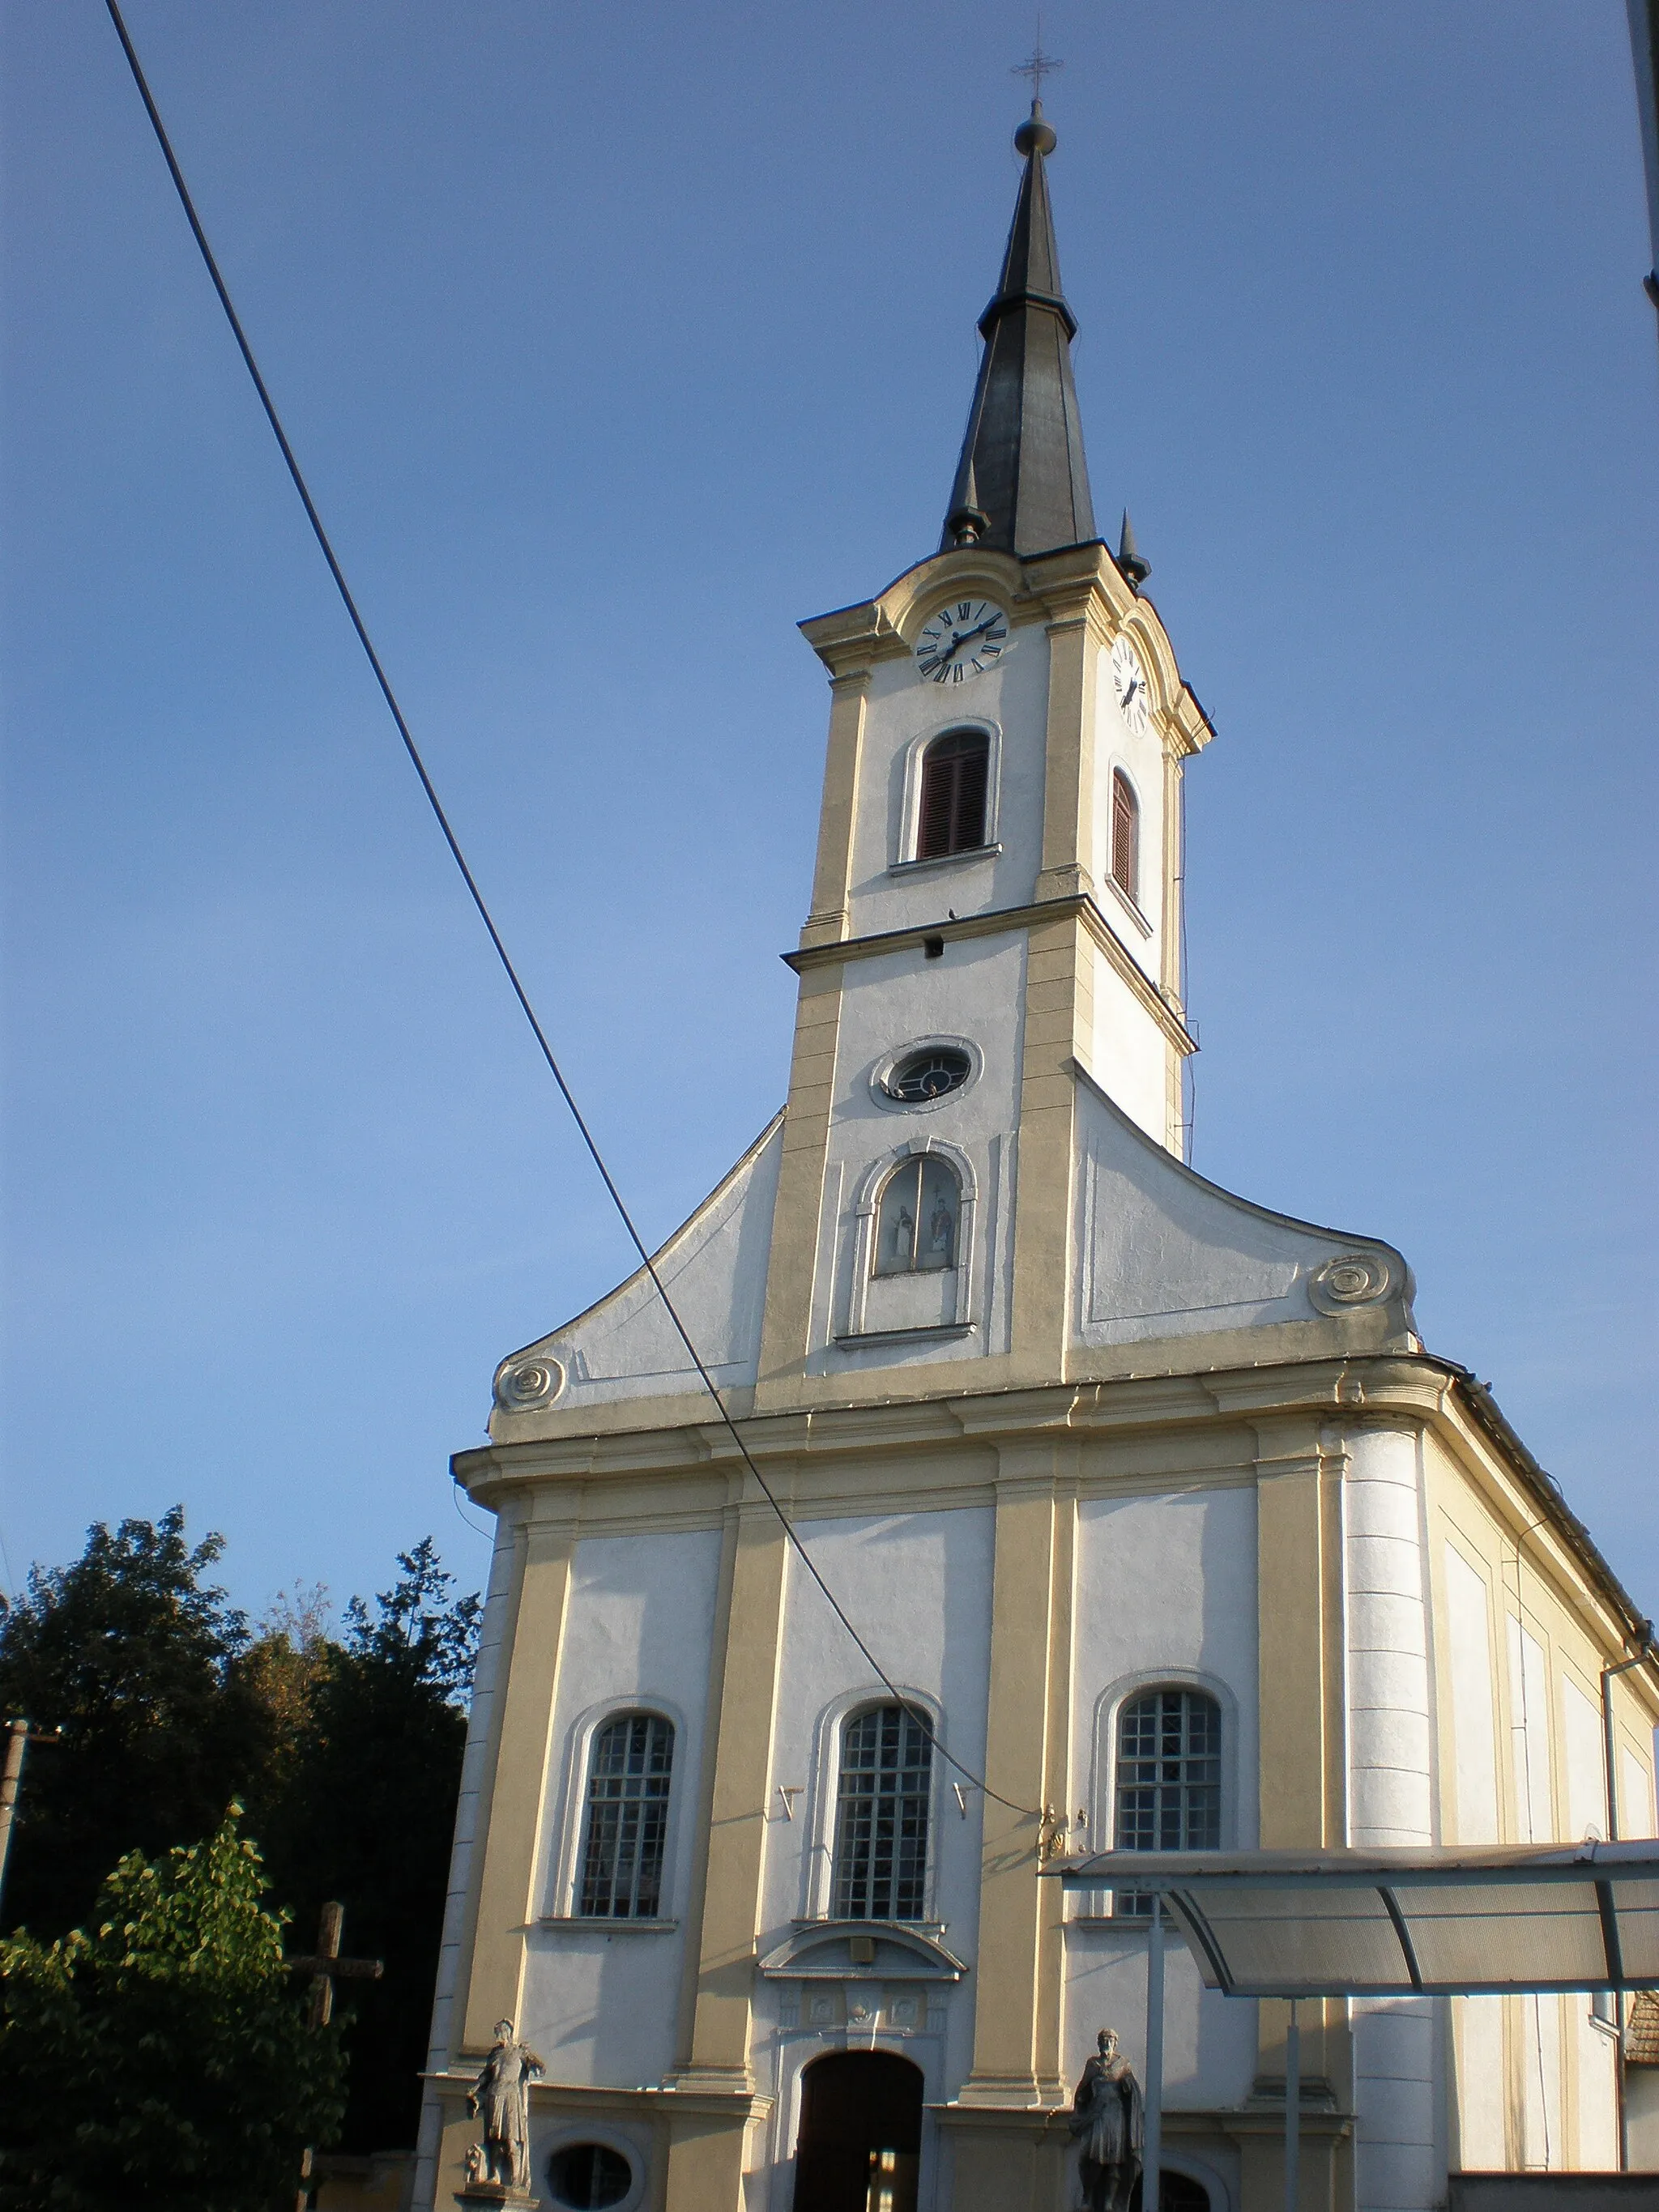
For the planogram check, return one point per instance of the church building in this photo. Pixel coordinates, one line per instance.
(1164, 1526)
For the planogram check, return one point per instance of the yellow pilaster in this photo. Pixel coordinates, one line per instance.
(1068, 789)
(1058, 986)
(786, 1326)
(832, 877)
(1018, 1971)
(516, 1791)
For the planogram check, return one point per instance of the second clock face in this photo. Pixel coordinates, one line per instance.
(1129, 681)
(962, 640)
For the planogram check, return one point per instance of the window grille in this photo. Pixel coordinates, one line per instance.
(881, 1816)
(627, 1818)
(1125, 837)
(1169, 1778)
(955, 776)
(917, 1220)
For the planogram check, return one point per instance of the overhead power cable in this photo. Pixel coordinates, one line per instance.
(488, 919)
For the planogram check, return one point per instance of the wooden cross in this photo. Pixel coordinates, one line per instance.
(325, 1963)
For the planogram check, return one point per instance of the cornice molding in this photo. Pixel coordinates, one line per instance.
(1079, 906)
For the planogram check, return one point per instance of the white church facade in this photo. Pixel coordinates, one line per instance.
(1163, 1523)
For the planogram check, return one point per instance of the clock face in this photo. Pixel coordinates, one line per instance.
(962, 640)
(1129, 681)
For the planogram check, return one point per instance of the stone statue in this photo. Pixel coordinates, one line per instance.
(1107, 2116)
(501, 2099)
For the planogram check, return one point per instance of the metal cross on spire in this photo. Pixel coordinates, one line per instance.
(1038, 67)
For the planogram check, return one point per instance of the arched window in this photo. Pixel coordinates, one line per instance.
(917, 1221)
(881, 1815)
(1169, 1777)
(1125, 837)
(627, 1781)
(955, 777)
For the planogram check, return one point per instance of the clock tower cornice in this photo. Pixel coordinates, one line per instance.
(1074, 584)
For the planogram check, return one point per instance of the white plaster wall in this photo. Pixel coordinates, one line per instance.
(1165, 1591)
(1127, 1048)
(917, 1585)
(901, 709)
(1163, 1253)
(974, 991)
(1141, 759)
(1529, 1735)
(485, 1682)
(1586, 1785)
(1469, 1653)
(1482, 2087)
(600, 2000)
(1399, 2166)
(713, 1268)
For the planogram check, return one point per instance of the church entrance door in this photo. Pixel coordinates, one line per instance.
(861, 2134)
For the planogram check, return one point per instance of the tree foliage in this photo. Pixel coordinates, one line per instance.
(367, 1816)
(159, 2058)
(131, 1652)
(345, 1748)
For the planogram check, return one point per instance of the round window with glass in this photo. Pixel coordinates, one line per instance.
(917, 1223)
(584, 2175)
(932, 1073)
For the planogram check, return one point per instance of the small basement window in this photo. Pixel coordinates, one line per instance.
(588, 2175)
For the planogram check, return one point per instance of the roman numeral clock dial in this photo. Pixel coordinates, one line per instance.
(962, 640)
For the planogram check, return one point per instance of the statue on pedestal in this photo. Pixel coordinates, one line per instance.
(1107, 2116)
(501, 2099)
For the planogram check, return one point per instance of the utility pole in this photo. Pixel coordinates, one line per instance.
(19, 1736)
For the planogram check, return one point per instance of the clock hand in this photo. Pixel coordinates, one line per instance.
(968, 638)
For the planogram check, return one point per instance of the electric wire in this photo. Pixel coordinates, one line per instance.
(488, 919)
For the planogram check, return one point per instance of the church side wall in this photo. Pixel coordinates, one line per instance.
(1521, 1745)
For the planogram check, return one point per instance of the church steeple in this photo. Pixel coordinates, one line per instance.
(1022, 485)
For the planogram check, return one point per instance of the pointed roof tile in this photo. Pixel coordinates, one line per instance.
(1022, 465)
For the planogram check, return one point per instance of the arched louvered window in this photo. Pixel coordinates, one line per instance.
(955, 778)
(1169, 1777)
(918, 1218)
(1125, 837)
(629, 1773)
(881, 1815)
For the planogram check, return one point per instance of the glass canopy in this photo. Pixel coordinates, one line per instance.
(1392, 1922)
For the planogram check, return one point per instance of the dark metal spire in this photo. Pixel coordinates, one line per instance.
(1022, 469)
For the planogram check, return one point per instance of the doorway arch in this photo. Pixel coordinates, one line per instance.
(860, 2143)
(1176, 2192)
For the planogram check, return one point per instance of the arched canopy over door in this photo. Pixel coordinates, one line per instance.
(861, 2134)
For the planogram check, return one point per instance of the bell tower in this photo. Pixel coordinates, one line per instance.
(998, 879)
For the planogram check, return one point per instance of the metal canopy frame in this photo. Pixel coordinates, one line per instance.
(1294, 1925)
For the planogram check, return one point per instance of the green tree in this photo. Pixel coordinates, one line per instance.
(367, 1814)
(159, 2061)
(132, 1652)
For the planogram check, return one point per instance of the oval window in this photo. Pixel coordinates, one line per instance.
(588, 2174)
(930, 1074)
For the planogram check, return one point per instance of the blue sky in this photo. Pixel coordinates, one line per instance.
(617, 340)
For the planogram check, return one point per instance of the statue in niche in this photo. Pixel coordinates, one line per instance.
(501, 2099)
(1107, 2118)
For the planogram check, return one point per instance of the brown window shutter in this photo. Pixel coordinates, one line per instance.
(1124, 826)
(954, 774)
